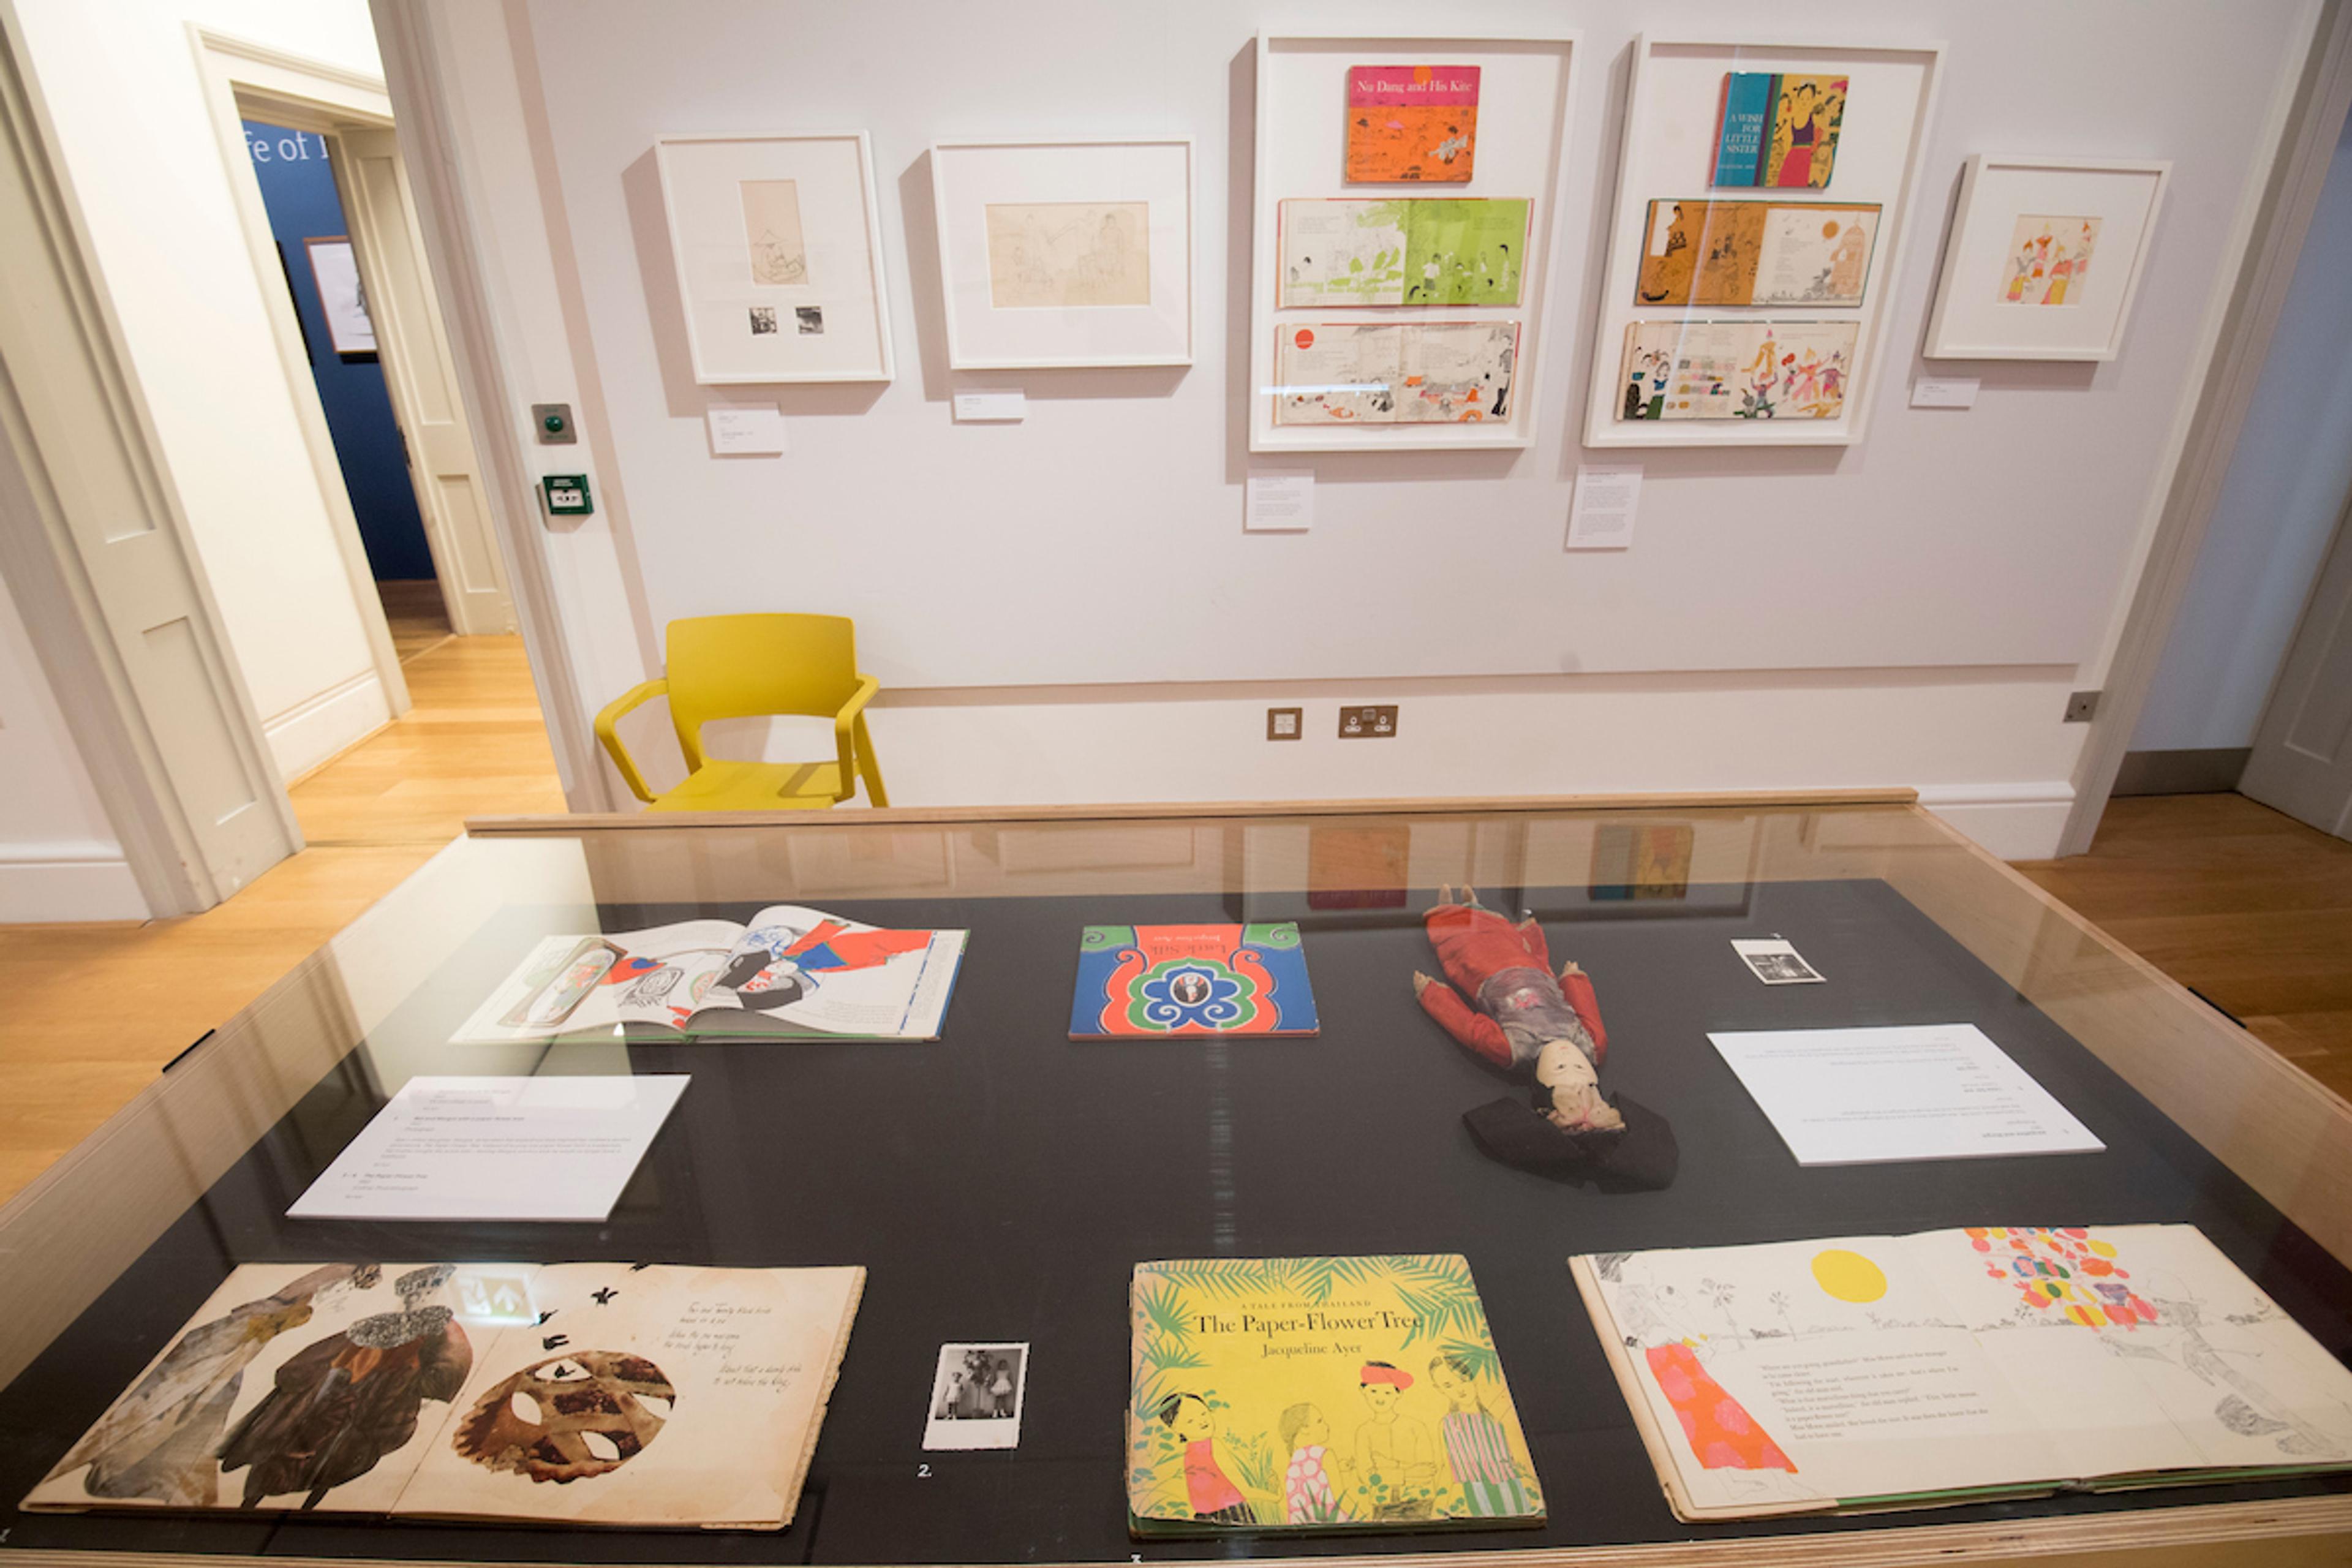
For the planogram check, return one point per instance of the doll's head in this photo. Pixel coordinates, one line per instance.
(1567, 1091)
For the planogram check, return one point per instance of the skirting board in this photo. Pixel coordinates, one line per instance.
(318, 727)
(43, 882)
(2014, 821)
(2199, 770)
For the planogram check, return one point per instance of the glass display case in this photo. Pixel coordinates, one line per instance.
(1000, 1184)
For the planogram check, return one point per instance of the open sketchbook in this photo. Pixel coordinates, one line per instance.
(793, 972)
(1958, 1366)
(575, 1393)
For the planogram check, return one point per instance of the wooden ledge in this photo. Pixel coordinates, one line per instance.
(933, 815)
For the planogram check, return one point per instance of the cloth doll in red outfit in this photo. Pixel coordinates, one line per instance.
(1525, 1021)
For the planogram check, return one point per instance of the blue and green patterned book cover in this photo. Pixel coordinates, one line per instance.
(1141, 981)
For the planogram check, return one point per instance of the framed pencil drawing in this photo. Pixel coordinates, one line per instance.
(2045, 256)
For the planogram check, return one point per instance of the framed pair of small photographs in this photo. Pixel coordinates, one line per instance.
(2045, 256)
(778, 246)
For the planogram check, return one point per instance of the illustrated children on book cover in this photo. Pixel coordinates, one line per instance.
(1319, 1394)
(1137, 982)
(1412, 122)
(1778, 130)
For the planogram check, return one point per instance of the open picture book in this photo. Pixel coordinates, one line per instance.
(576, 1392)
(792, 973)
(1959, 1366)
(1319, 1395)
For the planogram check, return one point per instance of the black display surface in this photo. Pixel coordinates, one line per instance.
(1001, 1183)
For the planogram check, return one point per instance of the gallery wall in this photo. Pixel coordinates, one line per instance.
(2280, 504)
(138, 145)
(1067, 608)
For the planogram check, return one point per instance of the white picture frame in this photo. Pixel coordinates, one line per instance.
(1666, 152)
(1526, 105)
(1065, 252)
(805, 298)
(1994, 294)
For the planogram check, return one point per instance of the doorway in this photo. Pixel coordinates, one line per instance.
(315, 254)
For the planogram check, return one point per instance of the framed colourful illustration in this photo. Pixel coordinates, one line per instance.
(2044, 259)
(1764, 187)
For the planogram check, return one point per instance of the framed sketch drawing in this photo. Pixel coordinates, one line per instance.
(342, 298)
(778, 245)
(2045, 256)
(1763, 189)
(1406, 213)
(1067, 253)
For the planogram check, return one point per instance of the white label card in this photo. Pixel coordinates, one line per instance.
(1936, 1091)
(1945, 392)
(496, 1148)
(1280, 503)
(1602, 516)
(746, 432)
(991, 407)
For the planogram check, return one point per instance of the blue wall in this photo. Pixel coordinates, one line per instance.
(298, 188)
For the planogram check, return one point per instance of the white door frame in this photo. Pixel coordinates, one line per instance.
(304, 95)
(2306, 123)
(168, 733)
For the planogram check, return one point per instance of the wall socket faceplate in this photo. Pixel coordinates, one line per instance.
(1285, 723)
(1368, 723)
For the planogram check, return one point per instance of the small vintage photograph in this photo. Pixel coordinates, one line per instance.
(810, 319)
(1775, 962)
(763, 320)
(976, 1395)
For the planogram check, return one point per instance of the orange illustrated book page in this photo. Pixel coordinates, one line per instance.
(1412, 122)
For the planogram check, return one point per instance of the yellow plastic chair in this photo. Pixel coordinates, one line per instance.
(736, 667)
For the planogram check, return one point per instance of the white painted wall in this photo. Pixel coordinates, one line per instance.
(2278, 508)
(60, 859)
(1067, 610)
(139, 146)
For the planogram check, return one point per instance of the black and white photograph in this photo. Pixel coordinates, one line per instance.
(1775, 962)
(976, 1396)
(763, 320)
(810, 319)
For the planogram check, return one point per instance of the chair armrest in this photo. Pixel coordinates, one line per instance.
(608, 733)
(843, 723)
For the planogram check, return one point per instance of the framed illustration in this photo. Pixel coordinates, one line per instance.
(1407, 212)
(1067, 253)
(2045, 256)
(343, 299)
(778, 245)
(1763, 189)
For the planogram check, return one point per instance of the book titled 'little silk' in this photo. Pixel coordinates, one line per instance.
(1319, 1394)
(1136, 982)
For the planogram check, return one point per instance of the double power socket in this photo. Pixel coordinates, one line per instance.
(1372, 723)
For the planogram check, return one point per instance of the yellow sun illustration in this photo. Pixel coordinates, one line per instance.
(1849, 1275)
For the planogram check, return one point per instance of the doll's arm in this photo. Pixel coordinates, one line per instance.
(1481, 1034)
(1577, 986)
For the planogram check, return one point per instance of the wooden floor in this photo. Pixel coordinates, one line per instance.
(417, 616)
(2250, 908)
(95, 1011)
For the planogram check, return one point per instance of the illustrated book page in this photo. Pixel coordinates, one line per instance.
(1405, 373)
(1755, 253)
(791, 971)
(1736, 370)
(1855, 1374)
(1777, 130)
(1412, 122)
(1319, 1394)
(1143, 981)
(1405, 251)
(580, 1393)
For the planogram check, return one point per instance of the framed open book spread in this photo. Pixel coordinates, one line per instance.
(577, 1393)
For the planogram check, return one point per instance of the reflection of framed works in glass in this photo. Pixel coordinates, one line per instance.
(1405, 215)
(778, 246)
(341, 296)
(1065, 252)
(1762, 194)
(2045, 256)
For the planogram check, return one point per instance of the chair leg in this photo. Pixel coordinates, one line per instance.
(869, 768)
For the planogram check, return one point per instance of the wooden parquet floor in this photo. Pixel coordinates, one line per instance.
(2247, 907)
(472, 743)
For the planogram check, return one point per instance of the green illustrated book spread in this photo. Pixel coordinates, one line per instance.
(1319, 1394)
(1863, 1372)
